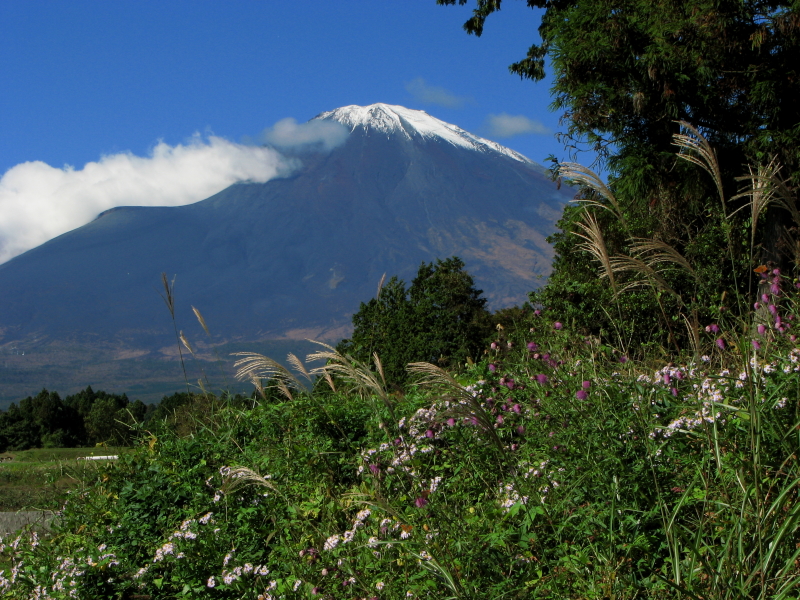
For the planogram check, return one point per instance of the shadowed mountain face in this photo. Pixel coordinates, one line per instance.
(291, 258)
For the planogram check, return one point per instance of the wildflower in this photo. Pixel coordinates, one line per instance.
(541, 378)
(761, 329)
(557, 326)
(420, 502)
(315, 591)
(586, 385)
(374, 469)
(533, 346)
(764, 298)
(331, 542)
(581, 395)
(500, 419)
(520, 430)
(516, 408)
(713, 328)
(451, 422)
(720, 343)
(773, 309)
(429, 433)
(756, 345)
(297, 584)
(211, 583)
(674, 392)
(379, 586)
(206, 518)
(493, 346)
(623, 359)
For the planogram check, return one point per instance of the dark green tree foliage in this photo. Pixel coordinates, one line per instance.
(83, 419)
(440, 318)
(624, 73)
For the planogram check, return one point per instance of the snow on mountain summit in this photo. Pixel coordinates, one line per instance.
(389, 119)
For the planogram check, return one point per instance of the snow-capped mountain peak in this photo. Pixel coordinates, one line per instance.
(391, 119)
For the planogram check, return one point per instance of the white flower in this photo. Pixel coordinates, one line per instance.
(379, 586)
(211, 583)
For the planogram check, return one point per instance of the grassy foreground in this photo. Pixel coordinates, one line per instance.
(554, 468)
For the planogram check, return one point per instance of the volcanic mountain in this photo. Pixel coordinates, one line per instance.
(287, 259)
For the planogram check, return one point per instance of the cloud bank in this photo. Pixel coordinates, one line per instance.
(433, 94)
(288, 133)
(39, 202)
(506, 126)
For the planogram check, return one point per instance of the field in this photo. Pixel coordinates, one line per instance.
(39, 479)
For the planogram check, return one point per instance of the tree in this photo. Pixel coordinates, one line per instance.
(625, 72)
(441, 318)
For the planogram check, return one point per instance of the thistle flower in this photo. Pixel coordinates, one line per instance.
(586, 385)
(533, 346)
(756, 345)
(713, 328)
(541, 378)
(674, 392)
(761, 329)
(420, 502)
(581, 395)
(492, 368)
(720, 343)
(557, 326)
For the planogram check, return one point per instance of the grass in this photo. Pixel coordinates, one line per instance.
(39, 479)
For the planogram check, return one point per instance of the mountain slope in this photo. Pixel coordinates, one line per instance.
(293, 257)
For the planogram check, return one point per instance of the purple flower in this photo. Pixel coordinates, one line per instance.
(623, 359)
(429, 433)
(517, 408)
(713, 328)
(776, 272)
(420, 502)
(492, 368)
(775, 289)
(541, 378)
(761, 329)
(674, 392)
(537, 312)
(493, 346)
(520, 429)
(586, 385)
(581, 395)
(773, 309)
(756, 345)
(792, 338)
(451, 422)
(764, 298)
(533, 346)
(374, 469)
(500, 419)
(756, 306)
(666, 378)
(557, 325)
(720, 343)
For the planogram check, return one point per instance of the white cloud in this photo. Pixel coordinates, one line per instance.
(288, 133)
(506, 126)
(433, 94)
(39, 202)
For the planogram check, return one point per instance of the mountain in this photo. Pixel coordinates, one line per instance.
(284, 260)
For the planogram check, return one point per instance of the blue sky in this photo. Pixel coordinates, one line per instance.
(87, 80)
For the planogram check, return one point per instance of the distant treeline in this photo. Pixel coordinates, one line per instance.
(92, 417)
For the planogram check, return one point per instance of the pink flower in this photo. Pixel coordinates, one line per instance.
(521, 429)
(517, 408)
(674, 392)
(429, 433)
(541, 378)
(533, 346)
(374, 469)
(713, 328)
(623, 359)
(493, 346)
(720, 343)
(420, 502)
(492, 368)
(586, 385)
(773, 309)
(500, 419)
(764, 298)
(581, 395)
(557, 326)
(451, 422)
(761, 329)
(756, 345)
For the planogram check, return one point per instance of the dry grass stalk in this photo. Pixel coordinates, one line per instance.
(169, 296)
(654, 252)
(256, 367)
(584, 176)
(380, 287)
(646, 275)
(239, 477)
(696, 149)
(201, 320)
(430, 375)
(363, 380)
(186, 343)
(596, 246)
